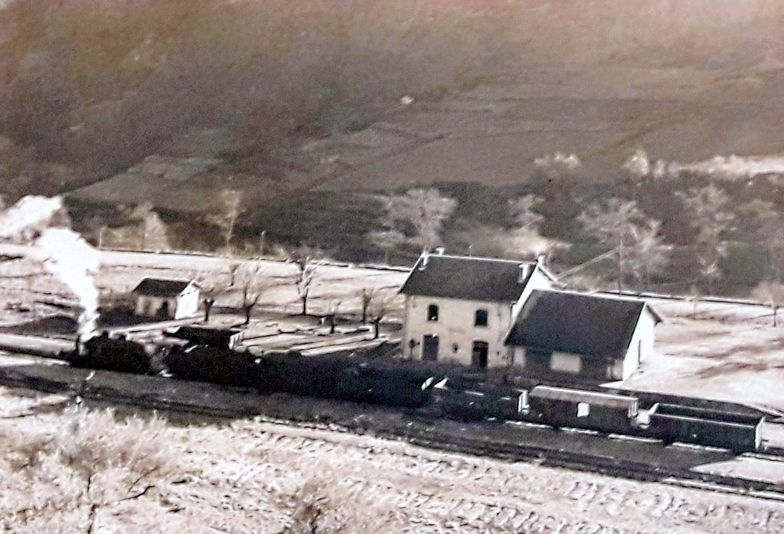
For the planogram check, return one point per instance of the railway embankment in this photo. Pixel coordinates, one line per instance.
(622, 456)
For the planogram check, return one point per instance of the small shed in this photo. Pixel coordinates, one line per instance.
(166, 299)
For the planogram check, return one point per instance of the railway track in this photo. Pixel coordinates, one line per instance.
(422, 431)
(419, 431)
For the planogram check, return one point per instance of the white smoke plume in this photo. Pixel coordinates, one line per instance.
(721, 167)
(74, 262)
(31, 213)
(63, 252)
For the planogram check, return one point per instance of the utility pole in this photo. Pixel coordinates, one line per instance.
(620, 265)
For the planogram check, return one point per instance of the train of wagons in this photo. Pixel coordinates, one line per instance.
(205, 356)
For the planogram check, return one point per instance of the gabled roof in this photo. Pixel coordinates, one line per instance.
(468, 278)
(577, 323)
(158, 287)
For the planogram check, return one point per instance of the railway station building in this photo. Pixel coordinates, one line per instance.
(459, 309)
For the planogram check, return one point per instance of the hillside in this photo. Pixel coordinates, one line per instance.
(298, 97)
(170, 101)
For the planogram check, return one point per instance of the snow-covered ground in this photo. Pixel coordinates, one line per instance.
(230, 477)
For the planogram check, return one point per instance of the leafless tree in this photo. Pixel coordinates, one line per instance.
(231, 203)
(333, 311)
(233, 269)
(768, 224)
(365, 298)
(771, 293)
(387, 240)
(154, 233)
(523, 211)
(620, 224)
(251, 287)
(646, 254)
(424, 210)
(209, 293)
(706, 207)
(378, 309)
(307, 264)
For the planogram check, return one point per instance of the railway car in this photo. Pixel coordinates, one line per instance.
(392, 387)
(562, 407)
(687, 424)
(212, 364)
(200, 335)
(480, 403)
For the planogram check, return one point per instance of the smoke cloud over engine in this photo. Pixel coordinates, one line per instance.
(75, 263)
(30, 214)
(42, 222)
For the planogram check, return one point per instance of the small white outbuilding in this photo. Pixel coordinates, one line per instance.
(166, 299)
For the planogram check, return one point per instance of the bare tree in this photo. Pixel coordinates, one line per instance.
(424, 211)
(386, 240)
(772, 294)
(231, 201)
(523, 212)
(251, 288)
(646, 254)
(233, 269)
(154, 233)
(378, 309)
(365, 298)
(306, 263)
(638, 248)
(706, 207)
(333, 311)
(768, 223)
(209, 294)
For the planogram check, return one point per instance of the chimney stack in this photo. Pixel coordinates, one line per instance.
(541, 260)
(523, 272)
(440, 251)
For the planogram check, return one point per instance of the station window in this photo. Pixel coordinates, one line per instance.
(432, 312)
(480, 317)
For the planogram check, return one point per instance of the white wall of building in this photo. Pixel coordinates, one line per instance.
(183, 306)
(455, 326)
(148, 305)
(188, 302)
(641, 345)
